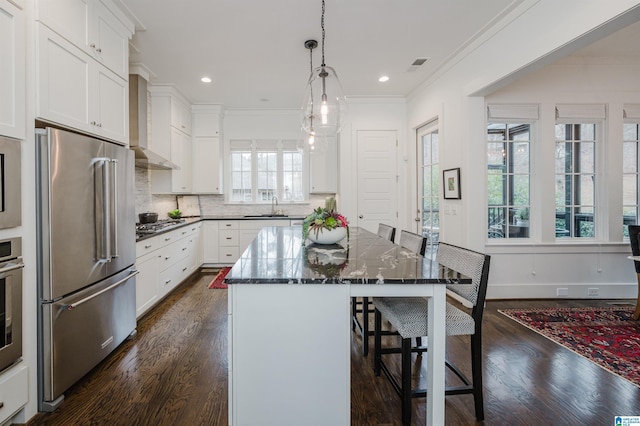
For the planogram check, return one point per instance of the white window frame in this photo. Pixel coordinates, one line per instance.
(589, 114)
(517, 114)
(280, 146)
(631, 115)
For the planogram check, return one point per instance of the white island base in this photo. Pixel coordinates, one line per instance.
(289, 352)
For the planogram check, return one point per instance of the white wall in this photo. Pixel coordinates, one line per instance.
(456, 98)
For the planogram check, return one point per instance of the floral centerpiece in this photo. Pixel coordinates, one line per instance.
(322, 222)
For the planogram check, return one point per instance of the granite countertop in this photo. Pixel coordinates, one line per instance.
(277, 256)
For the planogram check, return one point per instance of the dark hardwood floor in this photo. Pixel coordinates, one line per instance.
(174, 372)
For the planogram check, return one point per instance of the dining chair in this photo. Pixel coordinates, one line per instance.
(634, 239)
(414, 242)
(408, 317)
(358, 304)
(386, 231)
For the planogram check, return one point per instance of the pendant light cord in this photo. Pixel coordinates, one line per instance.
(322, 26)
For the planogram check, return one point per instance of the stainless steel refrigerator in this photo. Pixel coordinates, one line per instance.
(86, 256)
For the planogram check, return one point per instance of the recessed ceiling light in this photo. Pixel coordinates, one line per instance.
(383, 78)
(205, 80)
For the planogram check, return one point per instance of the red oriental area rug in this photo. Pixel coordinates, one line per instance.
(218, 281)
(606, 336)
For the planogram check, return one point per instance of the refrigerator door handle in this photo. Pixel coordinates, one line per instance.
(114, 209)
(103, 227)
(71, 306)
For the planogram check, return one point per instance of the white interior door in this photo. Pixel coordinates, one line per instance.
(377, 178)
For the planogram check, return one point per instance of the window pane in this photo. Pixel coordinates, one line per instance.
(563, 190)
(563, 157)
(629, 190)
(630, 132)
(496, 154)
(521, 158)
(587, 191)
(630, 157)
(495, 188)
(585, 132)
(521, 190)
(587, 157)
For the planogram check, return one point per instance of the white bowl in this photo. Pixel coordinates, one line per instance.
(328, 236)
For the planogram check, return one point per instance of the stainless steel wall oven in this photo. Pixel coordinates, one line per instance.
(10, 302)
(10, 183)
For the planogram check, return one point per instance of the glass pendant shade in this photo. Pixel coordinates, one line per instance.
(324, 108)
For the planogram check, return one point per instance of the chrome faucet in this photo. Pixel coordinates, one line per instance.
(274, 199)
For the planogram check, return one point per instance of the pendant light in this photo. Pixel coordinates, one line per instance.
(324, 107)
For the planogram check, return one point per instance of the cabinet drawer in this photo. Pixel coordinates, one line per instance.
(228, 237)
(13, 391)
(229, 254)
(228, 224)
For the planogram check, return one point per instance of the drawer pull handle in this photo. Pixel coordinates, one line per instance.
(147, 246)
(184, 248)
(228, 255)
(167, 258)
(1, 404)
(167, 281)
(184, 269)
(228, 238)
(228, 224)
(168, 239)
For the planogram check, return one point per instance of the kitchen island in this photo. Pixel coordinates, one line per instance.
(290, 326)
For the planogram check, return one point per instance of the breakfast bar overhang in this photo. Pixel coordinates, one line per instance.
(290, 323)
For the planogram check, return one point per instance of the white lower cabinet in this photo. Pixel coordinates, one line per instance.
(14, 386)
(164, 261)
(146, 288)
(226, 240)
(210, 242)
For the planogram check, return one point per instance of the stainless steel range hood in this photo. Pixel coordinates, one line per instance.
(145, 157)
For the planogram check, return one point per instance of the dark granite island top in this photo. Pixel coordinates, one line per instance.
(277, 256)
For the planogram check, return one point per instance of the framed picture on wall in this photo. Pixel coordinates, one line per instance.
(451, 182)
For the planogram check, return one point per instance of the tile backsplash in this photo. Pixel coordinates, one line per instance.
(210, 205)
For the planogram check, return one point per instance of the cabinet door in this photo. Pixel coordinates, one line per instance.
(12, 71)
(110, 41)
(69, 18)
(180, 116)
(210, 241)
(206, 165)
(324, 169)
(180, 155)
(146, 283)
(110, 106)
(62, 81)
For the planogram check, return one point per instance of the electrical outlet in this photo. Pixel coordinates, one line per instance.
(562, 292)
(593, 292)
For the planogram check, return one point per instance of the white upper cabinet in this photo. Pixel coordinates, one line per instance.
(207, 164)
(180, 116)
(170, 137)
(92, 27)
(12, 71)
(74, 90)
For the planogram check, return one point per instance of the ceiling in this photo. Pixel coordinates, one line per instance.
(254, 50)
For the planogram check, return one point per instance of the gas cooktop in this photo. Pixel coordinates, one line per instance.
(143, 229)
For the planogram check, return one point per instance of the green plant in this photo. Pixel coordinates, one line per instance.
(175, 214)
(323, 218)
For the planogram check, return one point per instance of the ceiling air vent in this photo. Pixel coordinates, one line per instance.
(417, 64)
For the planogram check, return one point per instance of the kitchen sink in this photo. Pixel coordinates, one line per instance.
(266, 215)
